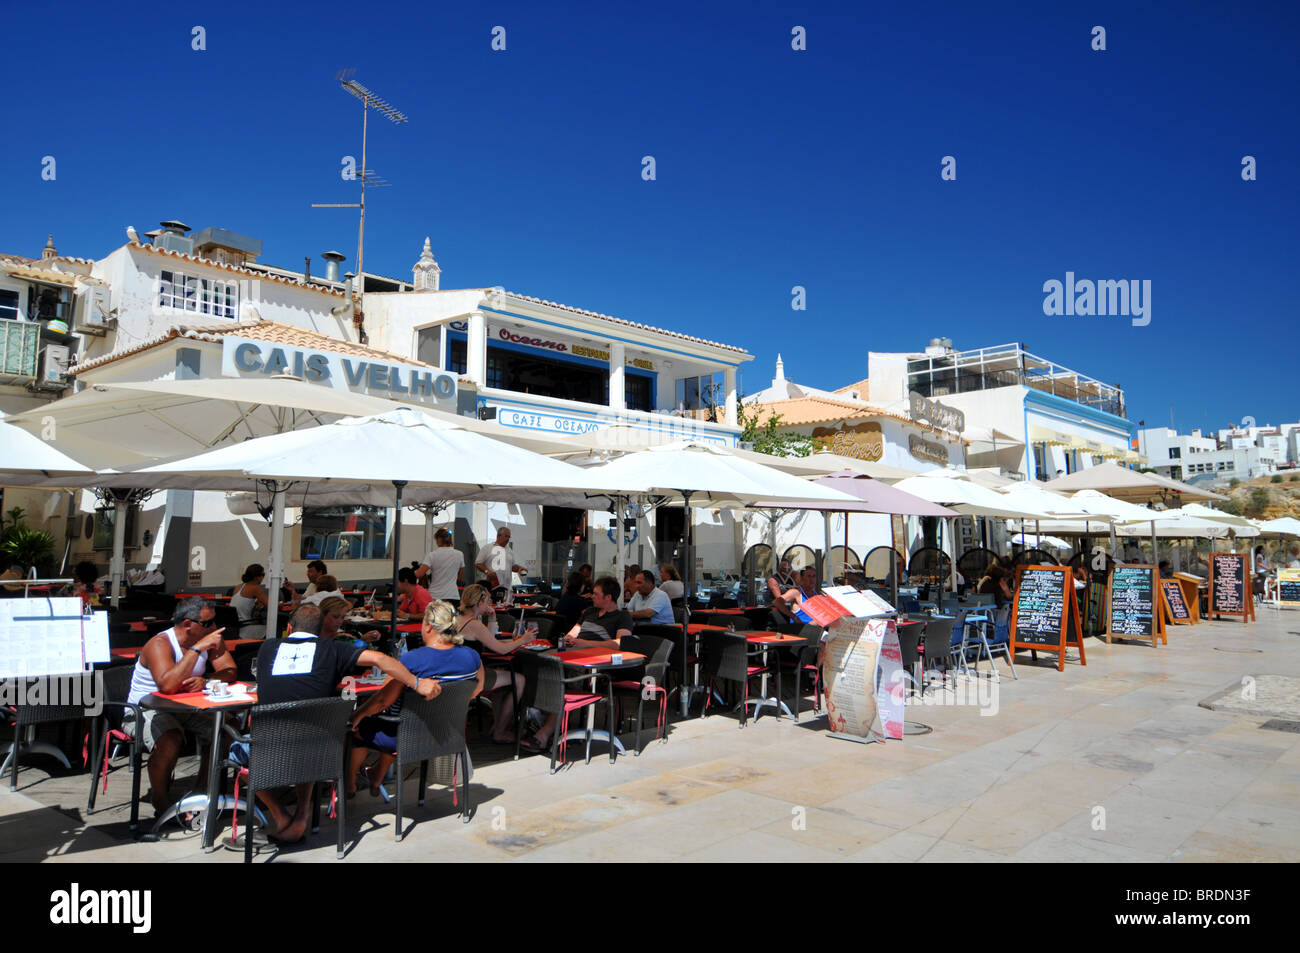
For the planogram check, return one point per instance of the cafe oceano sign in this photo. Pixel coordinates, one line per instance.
(243, 357)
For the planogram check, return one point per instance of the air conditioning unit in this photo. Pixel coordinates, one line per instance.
(170, 241)
(95, 317)
(53, 366)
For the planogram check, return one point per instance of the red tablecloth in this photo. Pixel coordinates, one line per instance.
(772, 638)
(695, 628)
(200, 700)
(594, 656)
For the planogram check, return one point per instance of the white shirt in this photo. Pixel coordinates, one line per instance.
(498, 559)
(142, 682)
(673, 588)
(316, 598)
(658, 601)
(444, 563)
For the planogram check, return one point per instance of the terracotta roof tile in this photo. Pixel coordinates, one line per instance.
(863, 387)
(819, 410)
(272, 332)
(236, 269)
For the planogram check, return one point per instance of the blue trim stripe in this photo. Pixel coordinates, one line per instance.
(1053, 402)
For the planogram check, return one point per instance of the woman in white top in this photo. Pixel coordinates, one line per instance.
(670, 582)
(476, 622)
(443, 569)
(250, 602)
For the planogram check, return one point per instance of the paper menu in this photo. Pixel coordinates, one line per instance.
(95, 638)
(859, 603)
(41, 636)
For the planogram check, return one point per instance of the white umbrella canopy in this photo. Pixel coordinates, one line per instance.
(1172, 524)
(1034, 540)
(1102, 508)
(965, 496)
(1132, 485)
(24, 453)
(357, 459)
(1282, 526)
(370, 460)
(162, 420)
(1035, 497)
(710, 475)
(1240, 525)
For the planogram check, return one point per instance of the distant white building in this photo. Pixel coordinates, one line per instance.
(1195, 457)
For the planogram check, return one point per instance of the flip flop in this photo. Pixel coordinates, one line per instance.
(535, 746)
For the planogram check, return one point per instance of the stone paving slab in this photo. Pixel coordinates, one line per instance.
(1111, 762)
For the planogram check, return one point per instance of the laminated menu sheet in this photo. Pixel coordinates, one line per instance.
(41, 636)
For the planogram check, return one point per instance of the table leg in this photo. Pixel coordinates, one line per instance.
(767, 700)
(590, 733)
(214, 792)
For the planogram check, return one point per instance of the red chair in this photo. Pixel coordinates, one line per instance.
(547, 689)
(727, 657)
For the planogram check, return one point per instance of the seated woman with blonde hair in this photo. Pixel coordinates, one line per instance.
(444, 657)
(475, 608)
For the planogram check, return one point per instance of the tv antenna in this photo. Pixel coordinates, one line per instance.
(369, 100)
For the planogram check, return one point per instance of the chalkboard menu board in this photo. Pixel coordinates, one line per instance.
(1288, 587)
(1174, 603)
(1132, 604)
(1045, 614)
(1230, 589)
(1040, 606)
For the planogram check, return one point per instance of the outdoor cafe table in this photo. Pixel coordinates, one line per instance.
(597, 660)
(188, 703)
(768, 640)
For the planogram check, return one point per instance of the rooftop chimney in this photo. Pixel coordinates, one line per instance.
(780, 372)
(332, 259)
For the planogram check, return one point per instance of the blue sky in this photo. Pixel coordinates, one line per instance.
(775, 168)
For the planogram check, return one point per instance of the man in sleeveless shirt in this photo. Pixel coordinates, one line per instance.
(177, 660)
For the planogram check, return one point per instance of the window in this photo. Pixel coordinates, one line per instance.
(199, 295)
(9, 305)
(456, 359)
(638, 390)
(427, 343)
(344, 532)
(1040, 461)
(698, 393)
(1175, 453)
(49, 304)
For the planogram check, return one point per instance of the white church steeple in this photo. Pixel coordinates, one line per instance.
(426, 272)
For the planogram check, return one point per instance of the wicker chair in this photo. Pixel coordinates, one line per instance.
(655, 669)
(681, 657)
(299, 743)
(27, 717)
(431, 728)
(547, 689)
(726, 657)
(805, 660)
(108, 731)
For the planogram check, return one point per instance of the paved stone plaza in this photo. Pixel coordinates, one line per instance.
(1115, 761)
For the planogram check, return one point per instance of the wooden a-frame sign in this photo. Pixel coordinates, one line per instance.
(1157, 604)
(1056, 604)
(1241, 591)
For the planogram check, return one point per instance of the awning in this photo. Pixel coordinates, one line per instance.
(1053, 438)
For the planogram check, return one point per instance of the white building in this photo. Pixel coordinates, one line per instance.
(1061, 420)
(1194, 457)
(192, 307)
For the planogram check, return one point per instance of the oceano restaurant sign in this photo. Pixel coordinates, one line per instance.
(243, 357)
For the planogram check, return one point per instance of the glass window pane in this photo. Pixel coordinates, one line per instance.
(344, 532)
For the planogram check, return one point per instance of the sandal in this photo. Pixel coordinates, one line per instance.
(535, 745)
